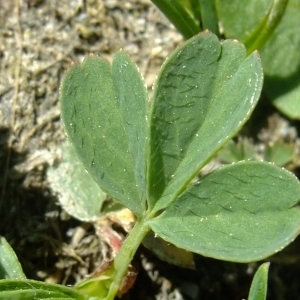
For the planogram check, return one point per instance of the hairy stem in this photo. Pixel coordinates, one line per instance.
(125, 256)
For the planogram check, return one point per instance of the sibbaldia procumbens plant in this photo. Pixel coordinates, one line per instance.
(147, 155)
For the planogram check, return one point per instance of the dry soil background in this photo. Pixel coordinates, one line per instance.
(38, 41)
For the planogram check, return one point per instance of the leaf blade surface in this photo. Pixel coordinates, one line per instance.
(93, 101)
(31, 289)
(242, 212)
(77, 192)
(204, 93)
(259, 285)
(10, 267)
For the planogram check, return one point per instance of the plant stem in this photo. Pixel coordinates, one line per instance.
(178, 16)
(209, 16)
(257, 39)
(125, 256)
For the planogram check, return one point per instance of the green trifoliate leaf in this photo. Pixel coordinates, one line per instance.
(259, 286)
(10, 267)
(77, 192)
(242, 212)
(204, 93)
(104, 111)
(30, 289)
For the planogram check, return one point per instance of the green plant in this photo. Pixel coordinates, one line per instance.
(147, 157)
(280, 153)
(232, 152)
(16, 286)
(146, 160)
(270, 26)
(258, 290)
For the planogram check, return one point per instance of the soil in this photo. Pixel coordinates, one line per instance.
(39, 39)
